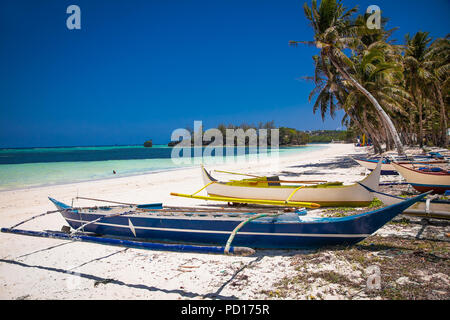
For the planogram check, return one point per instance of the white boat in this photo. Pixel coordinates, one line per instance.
(423, 181)
(325, 194)
(388, 169)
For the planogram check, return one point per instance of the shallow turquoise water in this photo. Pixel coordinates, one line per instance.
(34, 174)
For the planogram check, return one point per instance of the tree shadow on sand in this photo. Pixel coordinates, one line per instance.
(338, 163)
(344, 162)
(101, 280)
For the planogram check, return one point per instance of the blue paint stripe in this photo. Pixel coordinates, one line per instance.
(431, 185)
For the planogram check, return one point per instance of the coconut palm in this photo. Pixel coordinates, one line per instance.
(333, 33)
(331, 92)
(426, 69)
(438, 56)
(383, 78)
(418, 77)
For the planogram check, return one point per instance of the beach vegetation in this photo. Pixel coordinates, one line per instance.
(286, 136)
(326, 136)
(410, 268)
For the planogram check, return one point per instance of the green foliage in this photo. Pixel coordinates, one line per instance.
(375, 203)
(394, 94)
(325, 136)
(289, 136)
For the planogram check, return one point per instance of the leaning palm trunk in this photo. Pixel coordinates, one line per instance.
(387, 120)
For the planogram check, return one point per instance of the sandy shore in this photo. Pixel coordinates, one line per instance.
(36, 268)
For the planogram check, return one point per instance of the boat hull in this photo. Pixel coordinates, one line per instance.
(387, 168)
(424, 181)
(351, 195)
(433, 209)
(288, 231)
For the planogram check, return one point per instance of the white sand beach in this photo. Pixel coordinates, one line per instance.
(38, 268)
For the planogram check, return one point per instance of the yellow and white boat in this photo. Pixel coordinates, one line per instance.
(324, 194)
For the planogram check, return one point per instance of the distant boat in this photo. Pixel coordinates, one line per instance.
(325, 194)
(388, 169)
(434, 179)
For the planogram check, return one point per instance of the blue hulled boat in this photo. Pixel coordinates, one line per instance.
(281, 231)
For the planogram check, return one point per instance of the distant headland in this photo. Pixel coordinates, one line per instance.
(287, 136)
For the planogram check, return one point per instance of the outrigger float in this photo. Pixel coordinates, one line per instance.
(273, 191)
(211, 230)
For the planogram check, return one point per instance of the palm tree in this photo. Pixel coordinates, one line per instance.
(329, 88)
(427, 70)
(382, 78)
(418, 77)
(439, 57)
(333, 33)
(331, 92)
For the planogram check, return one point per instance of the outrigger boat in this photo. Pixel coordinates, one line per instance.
(388, 169)
(274, 191)
(426, 178)
(429, 208)
(133, 226)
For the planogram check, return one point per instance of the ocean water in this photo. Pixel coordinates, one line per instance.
(33, 167)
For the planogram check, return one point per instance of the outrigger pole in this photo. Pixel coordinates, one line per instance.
(282, 203)
(285, 203)
(131, 244)
(74, 236)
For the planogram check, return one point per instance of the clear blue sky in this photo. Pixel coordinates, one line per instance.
(140, 69)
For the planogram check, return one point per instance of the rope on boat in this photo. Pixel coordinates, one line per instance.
(243, 223)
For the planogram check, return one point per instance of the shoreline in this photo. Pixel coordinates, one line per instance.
(126, 175)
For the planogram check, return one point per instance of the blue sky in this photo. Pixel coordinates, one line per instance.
(140, 69)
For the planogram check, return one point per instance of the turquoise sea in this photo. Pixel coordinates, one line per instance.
(33, 167)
